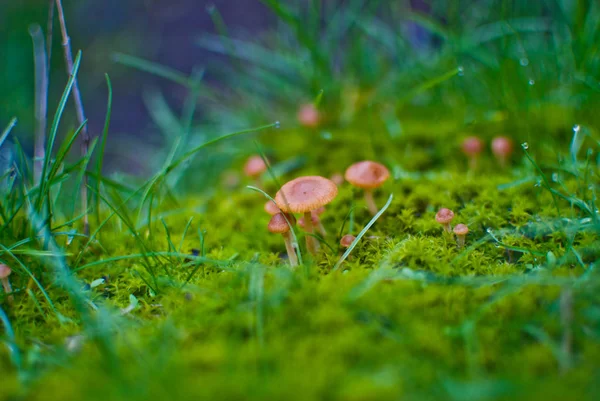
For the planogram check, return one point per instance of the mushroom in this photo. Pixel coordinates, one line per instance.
(254, 167)
(337, 178)
(367, 175)
(472, 147)
(303, 195)
(308, 116)
(461, 232)
(4, 273)
(279, 225)
(271, 208)
(347, 240)
(444, 216)
(316, 222)
(502, 148)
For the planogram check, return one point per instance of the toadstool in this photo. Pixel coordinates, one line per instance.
(279, 225)
(254, 167)
(502, 148)
(303, 195)
(308, 116)
(472, 147)
(347, 240)
(444, 216)
(4, 273)
(461, 232)
(367, 175)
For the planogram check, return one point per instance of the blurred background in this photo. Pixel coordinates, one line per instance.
(194, 69)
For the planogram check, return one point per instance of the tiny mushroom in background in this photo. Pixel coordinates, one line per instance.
(308, 116)
(271, 208)
(303, 195)
(367, 175)
(472, 147)
(502, 148)
(461, 232)
(337, 178)
(278, 225)
(444, 216)
(4, 273)
(347, 240)
(254, 167)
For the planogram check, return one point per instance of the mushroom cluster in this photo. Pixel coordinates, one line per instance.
(501, 146)
(444, 216)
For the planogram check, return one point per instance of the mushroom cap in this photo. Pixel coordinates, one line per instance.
(255, 166)
(367, 174)
(271, 208)
(472, 146)
(305, 194)
(4, 271)
(347, 240)
(502, 146)
(278, 224)
(444, 216)
(337, 178)
(308, 115)
(461, 229)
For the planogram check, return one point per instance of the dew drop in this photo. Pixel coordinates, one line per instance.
(555, 177)
(524, 61)
(326, 136)
(576, 128)
(525, 145)
(488, 230)
(461, 71)
(531, 82)
(277, 124)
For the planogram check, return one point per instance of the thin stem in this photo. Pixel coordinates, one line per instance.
(85, 136)
(371, 202)
(7, 289)
(41, 100)
(311, 246)
(320, 227)
(292, 257)
(460, 240)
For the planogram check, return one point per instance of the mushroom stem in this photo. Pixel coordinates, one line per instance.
(460, 240)
(448, 228)
(7, 289)
(371, 202)
(311, 244)
(320, 227)
(292, 257)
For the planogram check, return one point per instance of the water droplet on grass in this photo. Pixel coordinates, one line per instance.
(277, 124)
(555, 177)
(525, 145)
(461, 71)
(531, 82)
(576, 128)
(524, 61)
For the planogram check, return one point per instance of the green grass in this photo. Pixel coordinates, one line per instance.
(180, 292)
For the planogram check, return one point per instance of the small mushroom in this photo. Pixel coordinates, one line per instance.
(444, 216)
(271, 208)
(316, 222)
(502, 148)
(461, 232)
(303, 195)
(4, 273)
(279, 225)
(337, 178)
(308, 116)
(254, 168)
(347, 240)
(367, 175)
(472, 147)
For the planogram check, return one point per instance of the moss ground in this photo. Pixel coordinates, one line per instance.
(513, 315)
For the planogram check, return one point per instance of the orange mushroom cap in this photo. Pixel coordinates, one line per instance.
(255, 166)
(271, 208)
(347, 240)
(305, 194)
(502, 146)
(444, 216)
(278, 224)
(367, 174)
(472, 146)
(4, 271)
(461, 229)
